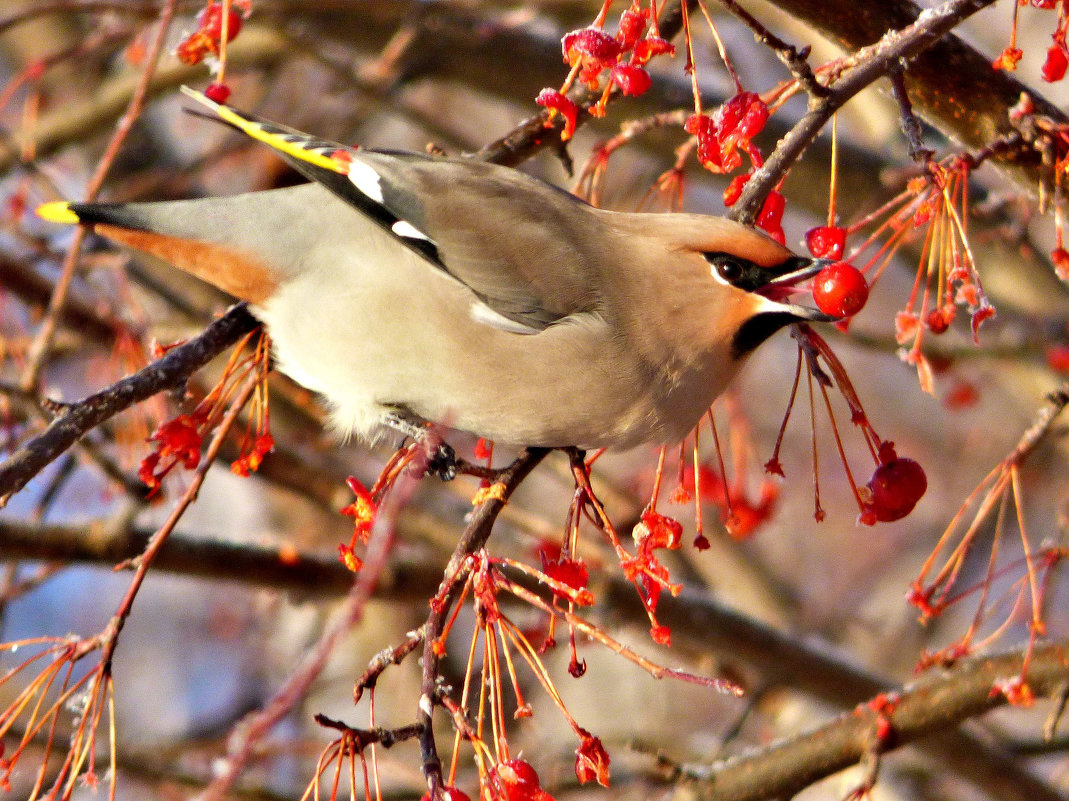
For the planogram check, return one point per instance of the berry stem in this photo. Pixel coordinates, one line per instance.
(834, 171)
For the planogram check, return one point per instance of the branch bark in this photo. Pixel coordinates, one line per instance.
(930, 705)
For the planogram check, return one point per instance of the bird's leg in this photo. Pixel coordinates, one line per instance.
(441, 458)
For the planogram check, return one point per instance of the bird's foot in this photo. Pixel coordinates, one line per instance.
(441, 461)
(439, 458)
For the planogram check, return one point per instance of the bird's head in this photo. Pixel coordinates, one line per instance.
(727, 287)
(768, 281)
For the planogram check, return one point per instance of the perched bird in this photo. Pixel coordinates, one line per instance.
(408, 288)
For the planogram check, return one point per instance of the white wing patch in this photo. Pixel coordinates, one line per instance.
(364, 178)
(481, 313)
(407, 229)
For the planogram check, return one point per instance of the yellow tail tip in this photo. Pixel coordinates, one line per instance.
(58, 211)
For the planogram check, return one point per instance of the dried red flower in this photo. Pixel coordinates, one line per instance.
(1008, 59)
(1057, 60)
(210, 22)
(650, 47)
(632, 25)
(554, 100)
(570, 572)
(362, 510)
(591, 760)
(590, 43)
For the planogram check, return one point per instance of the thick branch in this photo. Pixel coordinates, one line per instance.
(930, 705)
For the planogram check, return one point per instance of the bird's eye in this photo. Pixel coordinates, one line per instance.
(727, 268)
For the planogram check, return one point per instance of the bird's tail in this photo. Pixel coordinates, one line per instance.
(208, 238)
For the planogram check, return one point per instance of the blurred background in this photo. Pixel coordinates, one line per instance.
(207, 643)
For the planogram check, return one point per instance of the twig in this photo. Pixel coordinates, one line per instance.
(169, 371)
(43, 340)
(794, 59)
(1056, 403)
(254, 727)
(475, 536)
(143, 561)
(911, 126)
(361, 738)
(32, 11)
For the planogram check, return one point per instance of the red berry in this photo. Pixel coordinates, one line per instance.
(1057, 358)
(753, 121)
(771, 215)
(514, 780)
(939, 320)
(896, 486)
(1054, 67)
(632, 25)
(840, 290)
(826, 241)
(632, 80)
(728, 116)
(210, 22)
(592, 43)
(1060, 258)
(219, 92)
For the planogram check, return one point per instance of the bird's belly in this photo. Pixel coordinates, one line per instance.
(373, 345)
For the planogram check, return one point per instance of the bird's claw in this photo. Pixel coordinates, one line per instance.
(442, 462)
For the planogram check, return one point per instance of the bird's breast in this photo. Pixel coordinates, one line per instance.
(372, 338)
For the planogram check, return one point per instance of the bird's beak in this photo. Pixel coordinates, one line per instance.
(783, 286)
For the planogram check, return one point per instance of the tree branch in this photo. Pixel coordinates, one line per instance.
(171, 370)
(930, 705)
(873, 63)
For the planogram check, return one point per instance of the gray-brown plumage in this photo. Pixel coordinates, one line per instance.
(456, 291)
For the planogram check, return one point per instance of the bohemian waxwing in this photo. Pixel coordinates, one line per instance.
(406, 288)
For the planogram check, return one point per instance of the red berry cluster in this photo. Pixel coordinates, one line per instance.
(205, 40)
(591, 51)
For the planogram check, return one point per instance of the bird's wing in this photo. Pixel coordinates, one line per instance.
(451, 211)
